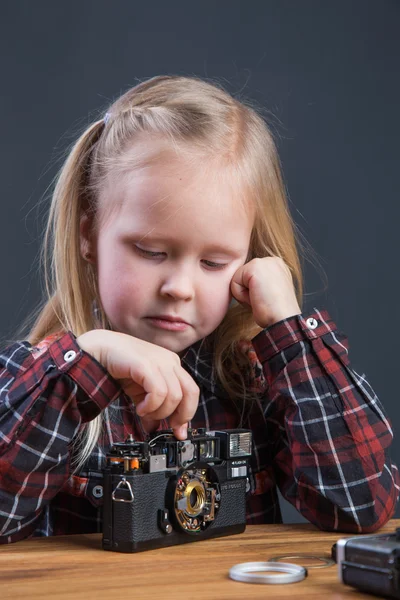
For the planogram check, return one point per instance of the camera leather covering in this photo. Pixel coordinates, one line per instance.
(135, 524)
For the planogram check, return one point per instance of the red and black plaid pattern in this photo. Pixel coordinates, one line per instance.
(319, 432)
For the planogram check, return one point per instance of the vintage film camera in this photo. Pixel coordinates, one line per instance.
(370, 563)
(165, 491)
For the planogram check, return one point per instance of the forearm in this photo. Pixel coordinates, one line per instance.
(43, 404)
(333, 461)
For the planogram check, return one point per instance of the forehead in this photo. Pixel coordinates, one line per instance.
(182, 197)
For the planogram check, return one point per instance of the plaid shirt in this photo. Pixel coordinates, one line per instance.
(319, 431)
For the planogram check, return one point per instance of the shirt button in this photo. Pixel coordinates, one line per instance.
(70, 355)
(312, 323)
(98, 491)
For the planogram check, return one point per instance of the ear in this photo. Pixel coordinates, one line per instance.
(87, 242)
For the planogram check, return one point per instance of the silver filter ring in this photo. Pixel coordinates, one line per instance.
(250, 572)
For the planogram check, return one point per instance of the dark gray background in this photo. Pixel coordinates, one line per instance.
(328, 72)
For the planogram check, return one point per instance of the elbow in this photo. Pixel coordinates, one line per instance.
(368, 520)
(381, 510)
(378, 519)
(15, 533)
(378, 508)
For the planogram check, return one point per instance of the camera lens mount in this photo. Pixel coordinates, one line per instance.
(195, 503)
(195, 495)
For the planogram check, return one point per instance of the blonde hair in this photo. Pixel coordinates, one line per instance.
(184, 110)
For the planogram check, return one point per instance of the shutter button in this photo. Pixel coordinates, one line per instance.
(70, 355)
(312, 323)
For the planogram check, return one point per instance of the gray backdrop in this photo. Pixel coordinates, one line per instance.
(328, 72)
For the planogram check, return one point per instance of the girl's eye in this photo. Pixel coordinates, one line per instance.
(214, 265)
(149, 252)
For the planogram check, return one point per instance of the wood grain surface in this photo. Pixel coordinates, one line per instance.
(76, 567)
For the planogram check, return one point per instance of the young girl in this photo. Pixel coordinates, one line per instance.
(175, 300)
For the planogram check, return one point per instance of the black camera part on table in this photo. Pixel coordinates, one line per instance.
(165, 491)
(370, 563)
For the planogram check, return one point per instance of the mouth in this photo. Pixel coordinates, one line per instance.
(169, 318)
(167, 322)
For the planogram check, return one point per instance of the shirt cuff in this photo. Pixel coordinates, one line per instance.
(279, 336)
(85, 370)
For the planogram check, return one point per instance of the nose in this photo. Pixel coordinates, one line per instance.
(178, 284)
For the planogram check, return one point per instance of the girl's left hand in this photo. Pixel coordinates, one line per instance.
(266, 285)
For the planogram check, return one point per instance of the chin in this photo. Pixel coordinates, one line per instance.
(170, 342)
(174, 346)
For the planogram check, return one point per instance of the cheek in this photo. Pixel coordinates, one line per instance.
(117, 287)
(218, 297)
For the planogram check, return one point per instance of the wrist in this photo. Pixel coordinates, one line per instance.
(278, 316)
(89, 342)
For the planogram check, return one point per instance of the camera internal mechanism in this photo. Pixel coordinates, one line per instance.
(165, 491)
(195, 499)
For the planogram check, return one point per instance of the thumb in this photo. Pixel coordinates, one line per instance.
(150, 425)
(240, 293)
(181, 432)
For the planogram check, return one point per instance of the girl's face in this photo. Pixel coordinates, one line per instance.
(169, 247)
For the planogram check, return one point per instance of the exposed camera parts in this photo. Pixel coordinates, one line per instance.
(165, 491)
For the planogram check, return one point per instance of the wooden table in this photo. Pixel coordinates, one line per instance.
(76, 567)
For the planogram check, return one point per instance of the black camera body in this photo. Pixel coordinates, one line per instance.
(165, 491)
(371, 563)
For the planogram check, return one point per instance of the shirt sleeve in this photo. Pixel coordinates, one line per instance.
(332, 458)
(45, 397)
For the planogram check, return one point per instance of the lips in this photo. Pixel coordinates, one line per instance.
(168, 323)
(170, 318)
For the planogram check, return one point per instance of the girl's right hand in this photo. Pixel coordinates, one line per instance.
(150, 375)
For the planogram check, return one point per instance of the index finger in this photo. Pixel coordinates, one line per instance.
(187, 407)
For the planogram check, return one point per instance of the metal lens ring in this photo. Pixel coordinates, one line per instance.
(327, 562)
(196, 499)
(195, 495)
(250, 572)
